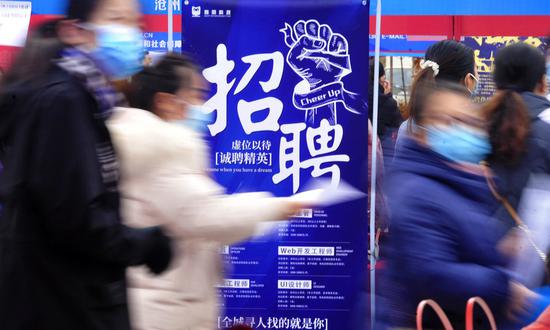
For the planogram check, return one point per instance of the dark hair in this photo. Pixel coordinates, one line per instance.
(455, 61)
(519, 67)
(81, 10)
(426, 90)
(371, 82)
(166, 76)
(372, 67)
(34, 60)
(509, 123)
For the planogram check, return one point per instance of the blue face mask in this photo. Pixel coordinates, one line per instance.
(119, 50)
(197, 119)
(459, 143)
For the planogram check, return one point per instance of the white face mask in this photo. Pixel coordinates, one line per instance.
(476, 87)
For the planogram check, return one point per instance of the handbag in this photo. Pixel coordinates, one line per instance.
(470, 307)
(515, 216)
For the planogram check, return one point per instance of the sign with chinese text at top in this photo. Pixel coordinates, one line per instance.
(15, 17)
(289, 90)
(485, 49)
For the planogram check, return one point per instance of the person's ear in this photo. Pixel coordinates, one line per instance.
(468, 82)
(71, 34)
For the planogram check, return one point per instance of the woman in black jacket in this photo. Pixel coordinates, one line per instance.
(63, 249)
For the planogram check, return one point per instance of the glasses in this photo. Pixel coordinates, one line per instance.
(470, 121)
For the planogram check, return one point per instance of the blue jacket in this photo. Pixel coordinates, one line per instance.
(442, 242)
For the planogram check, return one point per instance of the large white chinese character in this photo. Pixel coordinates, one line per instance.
(155, 44)
(218, 75)
(160, 5)
(290, 152)
(177, 44)
(162, 44)
(321, 136)
(255, 62)
(275, 106)
(319, 143)
(270, 123)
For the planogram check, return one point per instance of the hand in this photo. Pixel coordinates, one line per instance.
(160, 252)
(386, 84)
(520, 301)
(317, 54)
(510, 246)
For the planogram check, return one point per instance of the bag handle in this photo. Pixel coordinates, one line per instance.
(470, 313)
(510, 209)
(438, 310)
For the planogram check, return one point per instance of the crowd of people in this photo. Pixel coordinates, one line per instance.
(100, 175)
(110, 220)
(453, 187)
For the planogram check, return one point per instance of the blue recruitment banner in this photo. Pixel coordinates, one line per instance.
(289, 83)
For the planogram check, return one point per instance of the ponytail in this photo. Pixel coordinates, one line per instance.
(423, 80)
(509, 122)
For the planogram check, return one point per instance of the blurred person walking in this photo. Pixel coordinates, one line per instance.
(445, 61)
(63, 247)
(389, 117)
(164, 163)
(519, 122)
(444, 244)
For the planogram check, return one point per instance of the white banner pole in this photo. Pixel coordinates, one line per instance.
(170, 25)
(374, 109)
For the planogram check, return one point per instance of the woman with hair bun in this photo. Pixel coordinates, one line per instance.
(448, 61)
